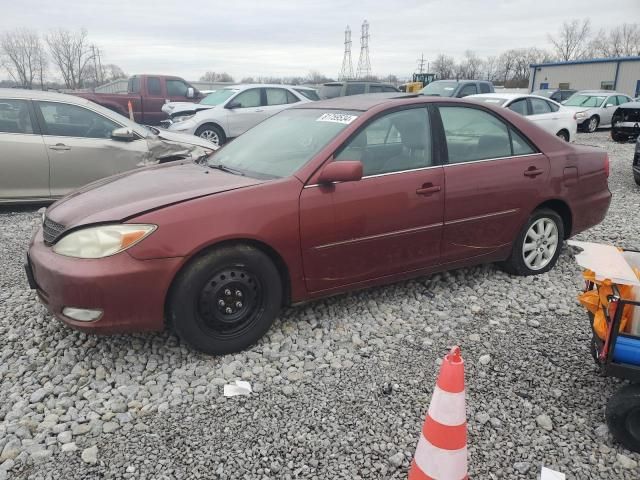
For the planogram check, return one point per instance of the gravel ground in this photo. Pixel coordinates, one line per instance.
(341, 386)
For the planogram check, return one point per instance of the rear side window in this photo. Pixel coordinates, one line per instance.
(520, 145)
(473, 134)
(291, 98)
(310, 94)
(539, 107)
(330, 91)
(375, 88)
(134, 85)
(553, 107)
(519, 106)
(153, 86)
(484, 88)
(15, 116)
(276, 96)
(355, 88)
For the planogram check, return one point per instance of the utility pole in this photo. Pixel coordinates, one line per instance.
(421, 63)
(347, 67)
(364, 64)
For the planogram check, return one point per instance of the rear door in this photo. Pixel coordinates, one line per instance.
(276, 100)
(24, 164)
(388, 222)
(493, 177)
(543, 115)
(608, 107)
(249, 111)
(80, 148)
(153, 101)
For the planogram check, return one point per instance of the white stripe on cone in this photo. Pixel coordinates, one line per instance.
(441, 464)
(447, 408)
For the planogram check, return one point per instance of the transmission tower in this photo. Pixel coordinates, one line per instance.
(421, 63)
(347, 66)
(364, 65)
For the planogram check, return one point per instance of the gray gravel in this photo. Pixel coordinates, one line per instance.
(340, 386)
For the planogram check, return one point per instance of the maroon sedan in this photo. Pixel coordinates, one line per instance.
(323, 198)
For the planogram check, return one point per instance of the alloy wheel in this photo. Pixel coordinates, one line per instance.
(210, 135)
(540, 243)
(593, 124)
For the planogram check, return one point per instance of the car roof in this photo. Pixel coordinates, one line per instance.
(599, 92)
(39, 95)
(342, 82)
(505, 95)
(362, 102)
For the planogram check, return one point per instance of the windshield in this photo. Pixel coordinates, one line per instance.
(441, 88)
(543, 93)
(283, 143)
(307, 92)
(490, 100)
(217, 97)
(585, 101)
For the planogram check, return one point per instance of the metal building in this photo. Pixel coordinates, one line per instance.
(621, 74)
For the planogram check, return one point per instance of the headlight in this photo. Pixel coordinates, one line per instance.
(182, 118)
(581, 114)
(102, 241)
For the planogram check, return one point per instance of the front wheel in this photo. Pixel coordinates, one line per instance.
(213, 133)
(623, 417)
(225, 300)
(563, 134)
(537, 247)
(592, 124)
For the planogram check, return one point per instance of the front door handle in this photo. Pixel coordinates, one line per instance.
(428, 189)
(533, 172)
(59, 146)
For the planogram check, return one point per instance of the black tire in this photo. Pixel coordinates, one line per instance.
(563, 134)
(636, 177)
(623, 416)
(516, 264)
(616, 137)
(197, 316)
(213, 133)
(591, 125)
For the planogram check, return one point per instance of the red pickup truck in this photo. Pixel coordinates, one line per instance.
(147, 93)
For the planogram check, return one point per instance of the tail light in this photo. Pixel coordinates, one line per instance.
(606, 165)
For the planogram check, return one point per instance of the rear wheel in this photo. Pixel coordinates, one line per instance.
(592, 124)
(636, 177)
(623, 416)
(537, 246)
(225, 300)
(563, 134)
(616, 137)
(213, 133)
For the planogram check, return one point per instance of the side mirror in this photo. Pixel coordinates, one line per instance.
(341, 171)
(191, 93)
(609, 105)
(123, 134)
(231, 105)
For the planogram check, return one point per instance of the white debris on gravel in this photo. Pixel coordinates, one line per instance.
(147, 406)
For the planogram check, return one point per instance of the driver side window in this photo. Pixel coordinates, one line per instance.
(65, 120)
(395, 142)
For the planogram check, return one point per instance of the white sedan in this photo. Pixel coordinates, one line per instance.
(545, 113)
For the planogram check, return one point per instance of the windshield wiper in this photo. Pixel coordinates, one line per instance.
(224, 168)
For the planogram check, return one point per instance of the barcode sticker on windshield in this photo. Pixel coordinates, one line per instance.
(337, 118)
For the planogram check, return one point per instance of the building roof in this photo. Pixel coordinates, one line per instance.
(583, 62)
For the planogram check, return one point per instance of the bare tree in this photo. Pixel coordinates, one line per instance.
(444, 66)
(491, 70)
(71, 53)
(315, 77)
(470, 68)
(22, 55)
(113, 72)
(621, 41)
(572, 40)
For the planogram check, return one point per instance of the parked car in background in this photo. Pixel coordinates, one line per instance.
(555, 94)
(594, 108)
(457, 88)
(636, 162)
(322, 198)
(547, 114)
(177, 110)
(353, 87)
(246, 106)
(52, 143)
(147, 94)
(625, 124)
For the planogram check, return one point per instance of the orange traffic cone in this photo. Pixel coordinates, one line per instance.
(130, 108)
(441, 453)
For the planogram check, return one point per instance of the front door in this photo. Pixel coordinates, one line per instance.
(80, 148)
(248, 111)
(493, 177)
(388, 222)
(153, 102)
(24, 165)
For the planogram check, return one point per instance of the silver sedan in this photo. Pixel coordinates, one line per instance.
(594, 108)
(53, 143)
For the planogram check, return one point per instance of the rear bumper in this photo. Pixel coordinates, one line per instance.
(131, 293)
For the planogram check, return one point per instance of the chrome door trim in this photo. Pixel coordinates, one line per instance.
(378, 236)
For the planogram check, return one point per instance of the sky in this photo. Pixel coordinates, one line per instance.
(290, 38)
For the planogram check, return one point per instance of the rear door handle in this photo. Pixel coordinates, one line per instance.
(428, 189)
(59, 146)
(533, 172)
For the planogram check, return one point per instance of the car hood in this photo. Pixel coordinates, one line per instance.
(132, 193)
(172, 108)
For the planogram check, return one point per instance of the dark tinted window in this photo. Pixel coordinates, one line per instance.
(355, 88)
(473, 134)
(519, 106)
(393, 143)
(153, 86)
(276, 96)
(330, 91)
(248, 98)
(15, 116)
(566, 94)
(539, 106)
(469, 89)
(176, 88)
(134, 85)
(310, 94)
(485, 88)
(65, 120)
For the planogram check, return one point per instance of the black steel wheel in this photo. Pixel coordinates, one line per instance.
(623, 416)
(226, 299)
